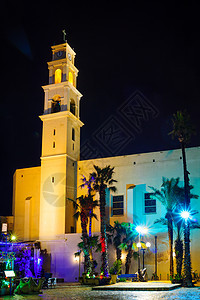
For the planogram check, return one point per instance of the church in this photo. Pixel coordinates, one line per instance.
(41, 209)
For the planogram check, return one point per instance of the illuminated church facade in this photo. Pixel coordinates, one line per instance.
(40, 207)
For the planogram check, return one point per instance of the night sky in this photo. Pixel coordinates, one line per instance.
(143, 55)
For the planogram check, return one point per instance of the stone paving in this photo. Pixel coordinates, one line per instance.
(139, 286)
(71, 292)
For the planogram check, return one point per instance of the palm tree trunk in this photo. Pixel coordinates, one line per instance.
(119, 253)
(179, 256)
(170, 235)
(179, 252)
(90, 224)
(87, 266)
(128, 260)
(103, 240)
(186, 178)
(187, 258)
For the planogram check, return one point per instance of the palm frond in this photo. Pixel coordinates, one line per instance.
(113, 189)
(123, 246)
(93, 215)
(161, 221)
(77, 215)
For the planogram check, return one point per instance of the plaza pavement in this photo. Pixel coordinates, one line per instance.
(139, 286)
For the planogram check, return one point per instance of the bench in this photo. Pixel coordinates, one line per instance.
(51, 282)
(134, 277)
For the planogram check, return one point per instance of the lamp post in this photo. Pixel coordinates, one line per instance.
(148, 245)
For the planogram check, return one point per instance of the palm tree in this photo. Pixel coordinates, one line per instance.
(89, 184)
(183, 130)
(83, 208)
(117, 233)
(129, 244)
(169, 197)
(93, 244)
(103, 179)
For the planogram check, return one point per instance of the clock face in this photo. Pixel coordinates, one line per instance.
(69, 56)
(59, 53)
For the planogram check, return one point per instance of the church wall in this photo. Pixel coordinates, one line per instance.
(53, 197)
(26, 203)
(144, 170)
(71, 177)
(59, 137)
(73, 147)
(63, 262)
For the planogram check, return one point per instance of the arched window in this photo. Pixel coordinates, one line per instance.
(58, 76)
(55, 104)
(72, 107)
(71, 78)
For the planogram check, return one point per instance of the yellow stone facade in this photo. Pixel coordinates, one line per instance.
(56, 179)
(26, 203)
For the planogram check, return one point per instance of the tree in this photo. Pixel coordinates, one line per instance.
(93, 244)
(103, 179)
(117, 233)
(183, 130)
(169, 197)
(83, 208)
(129, 244)
(178, 247)
(89, 184)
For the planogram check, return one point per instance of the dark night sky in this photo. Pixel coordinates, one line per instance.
(146, 47)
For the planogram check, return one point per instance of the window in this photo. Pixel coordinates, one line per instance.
(72, 107)
(73, 147)
(73, 134)
(58, 75)
(54, 132)
(118, 205)
(71, 77)
(54, 145)
(149, 204)
(55, 106)
(52, 179)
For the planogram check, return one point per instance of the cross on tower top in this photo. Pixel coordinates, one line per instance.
(64, 35)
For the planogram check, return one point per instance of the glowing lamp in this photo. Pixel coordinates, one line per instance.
(76, 258)
(123, 256)
(148, 245)
(141, 229)
(13, 237)
(185, 214)
(138, 229)
(144, 230)
(139, 245)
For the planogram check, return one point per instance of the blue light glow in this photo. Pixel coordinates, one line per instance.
(185, 214)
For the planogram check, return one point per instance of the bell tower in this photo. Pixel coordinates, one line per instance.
(60, 144)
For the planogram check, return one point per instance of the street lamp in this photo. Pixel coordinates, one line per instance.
(148, 245)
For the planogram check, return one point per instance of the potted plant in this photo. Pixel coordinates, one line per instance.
(115, 270)
(176, 279)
